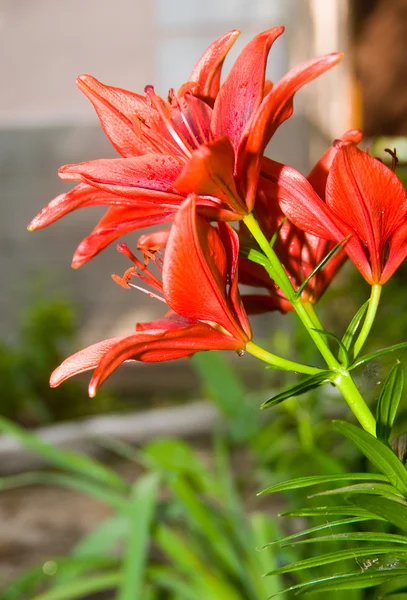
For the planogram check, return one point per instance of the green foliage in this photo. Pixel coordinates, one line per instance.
(46, 334)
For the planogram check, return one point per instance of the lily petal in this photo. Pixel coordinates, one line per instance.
(195, 271)
(118, 111)
(319, 173)
(242, 91)
(116, 222)
(275, 108)
(127, 176)
(80, 196)
(209, 172)
(207, 71)
(369, 197)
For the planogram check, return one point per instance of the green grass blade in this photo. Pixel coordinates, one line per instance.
(82, 587)
(65, 459)
(111, 497)
(229, 393)
(24, 585)
(142, 508)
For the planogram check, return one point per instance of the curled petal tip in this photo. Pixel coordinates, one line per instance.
(31, 226)
(84, 79)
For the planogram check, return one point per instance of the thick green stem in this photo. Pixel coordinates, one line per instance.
(369, 319)
(358, 406)
(307, 315)
(279, 275)
(278, 361)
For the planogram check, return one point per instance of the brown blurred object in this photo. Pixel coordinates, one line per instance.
(380, 58)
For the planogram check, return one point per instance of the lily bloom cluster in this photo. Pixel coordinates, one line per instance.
(195, 160)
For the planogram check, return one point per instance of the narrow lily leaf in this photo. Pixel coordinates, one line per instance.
(302, 482)
(378, 453)
(329, 511)
(352, 330)
(354, 580)
(306, 385)
(342, 347)
(392, 511)
(332, 557)
(277, 232)
(321, 527)
(375, 489)
(365, 536)
(360, 579)
(396, 592)
(368, 357)
(259, 258)
(65, 459)
(320, 266)
(389, 401)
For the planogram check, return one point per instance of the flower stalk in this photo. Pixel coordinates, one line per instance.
(309, 319)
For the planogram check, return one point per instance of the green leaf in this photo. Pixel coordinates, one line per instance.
(319, 267)
(227, 389)
(392, 511)
(368, 357)
(201, 518)
(26, 583)
(316, 528)
(144, 497)
(378, 453)
(65, 459)
(342, 347)
(333, 557)
(302, 482)
(111, 497)
(375, 489)
(329, 511)
(307, 384)
(389, 401)
(365, 536)
(352, 331)
(82, 587)
(395, 592)
(349, 581)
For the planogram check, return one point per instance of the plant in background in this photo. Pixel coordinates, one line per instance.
(196, 160)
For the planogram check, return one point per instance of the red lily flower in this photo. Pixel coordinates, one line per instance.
(363, 200)
(200, 287)
(300, 252)
(206, 139)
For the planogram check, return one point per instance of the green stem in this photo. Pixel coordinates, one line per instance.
(278, 361)
(358, 406)
(307, 315)
(279, 275)
(369, 319)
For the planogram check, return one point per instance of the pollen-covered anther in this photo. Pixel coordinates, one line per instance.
(124, 280)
